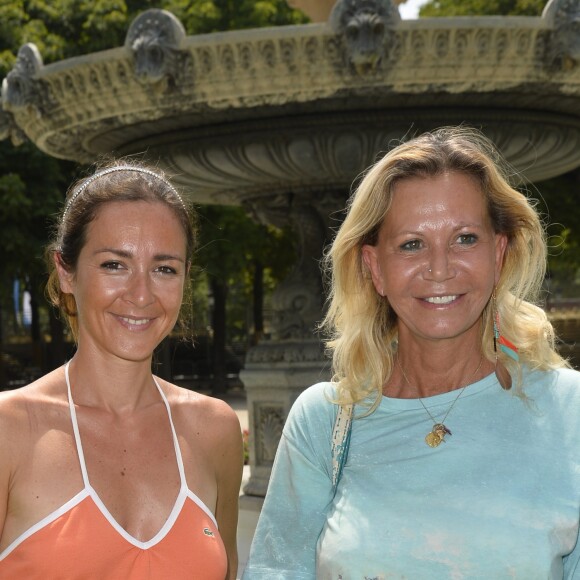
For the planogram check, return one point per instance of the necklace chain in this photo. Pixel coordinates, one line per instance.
(437, 434)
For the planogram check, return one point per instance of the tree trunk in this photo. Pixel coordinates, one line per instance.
(219, 381)
(258, 302)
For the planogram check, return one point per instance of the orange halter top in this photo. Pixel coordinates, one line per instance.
(82, 540)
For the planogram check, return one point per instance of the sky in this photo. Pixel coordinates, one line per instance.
(410, 9)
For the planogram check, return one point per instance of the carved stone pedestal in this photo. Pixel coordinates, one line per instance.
(278, 370)
(275, 374)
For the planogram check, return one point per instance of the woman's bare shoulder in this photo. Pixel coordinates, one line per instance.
(34, 402)
(27, 413)
(199, 413)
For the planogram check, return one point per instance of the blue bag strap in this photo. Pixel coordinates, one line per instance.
(340, 441)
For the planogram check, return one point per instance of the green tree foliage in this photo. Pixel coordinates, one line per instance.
(558, 201)
(231, 245)
(202, 16)
(26, 220)
(482, 8)
(241, 260)
(66, 28)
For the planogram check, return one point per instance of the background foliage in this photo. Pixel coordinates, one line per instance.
(483, 8)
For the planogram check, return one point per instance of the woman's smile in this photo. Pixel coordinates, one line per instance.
(135, 323)
(441, 299)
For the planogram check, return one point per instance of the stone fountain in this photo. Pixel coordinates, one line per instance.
(282, 120)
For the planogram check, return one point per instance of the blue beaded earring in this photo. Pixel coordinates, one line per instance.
(505, 345)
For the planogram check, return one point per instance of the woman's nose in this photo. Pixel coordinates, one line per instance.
(440, 265)
(139, 290)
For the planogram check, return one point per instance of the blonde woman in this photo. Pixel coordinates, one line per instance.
(462, 457)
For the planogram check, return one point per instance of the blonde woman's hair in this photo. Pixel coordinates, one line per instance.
(361, 325)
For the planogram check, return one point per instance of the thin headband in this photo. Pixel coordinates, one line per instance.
(104, 172)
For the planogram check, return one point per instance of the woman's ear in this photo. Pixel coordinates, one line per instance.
(65, 277)
(371, 260)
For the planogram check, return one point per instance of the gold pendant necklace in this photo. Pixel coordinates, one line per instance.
(437, 434)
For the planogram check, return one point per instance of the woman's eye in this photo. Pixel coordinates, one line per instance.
(467, 239)
(166, 270)
(412, 245)
(111, 265)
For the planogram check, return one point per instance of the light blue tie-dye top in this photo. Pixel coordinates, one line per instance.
(500, 498)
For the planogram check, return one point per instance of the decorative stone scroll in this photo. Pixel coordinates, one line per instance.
(10, 130)
(269, 420)
(22, 89)
(287, 352)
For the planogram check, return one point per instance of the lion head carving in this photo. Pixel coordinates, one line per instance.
(564, 15)
(364, 25)
(154, 38)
